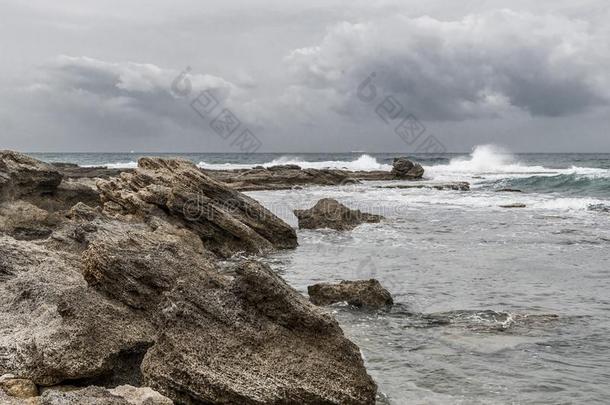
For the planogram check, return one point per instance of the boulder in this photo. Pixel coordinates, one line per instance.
(21, 175)
(329, 213)
(403, 168)
(360, 293)
(252, 340)
(226, 221)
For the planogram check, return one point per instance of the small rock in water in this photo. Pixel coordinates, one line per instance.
(329, 213)
(514, 205)
(359, 293)
(403, 168)
(509, 190)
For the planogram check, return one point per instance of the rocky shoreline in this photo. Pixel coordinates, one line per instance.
(112, 290)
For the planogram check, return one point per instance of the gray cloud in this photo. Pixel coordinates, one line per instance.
(474, 72)
(483, 65)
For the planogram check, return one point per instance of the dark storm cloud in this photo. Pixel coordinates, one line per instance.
(483, 65)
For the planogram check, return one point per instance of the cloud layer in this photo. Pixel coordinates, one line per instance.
(479, 66)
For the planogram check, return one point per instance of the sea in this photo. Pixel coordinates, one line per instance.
(493, 305)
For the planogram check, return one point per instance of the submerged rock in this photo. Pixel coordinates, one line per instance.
(403, 168)
(455, 186)
(226, 220)
(329, 213)
(508, 190)
(514, 205)
(360, 293)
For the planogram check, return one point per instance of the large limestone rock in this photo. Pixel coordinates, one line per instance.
(403, 168)
(359, 293)
(253, 340)
(20, 175)
(329, 213)
(129, 293)
(54, 327)
(226, 220)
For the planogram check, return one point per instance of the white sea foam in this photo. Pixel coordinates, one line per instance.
(364, 163)
(493, 162)
(116, 165)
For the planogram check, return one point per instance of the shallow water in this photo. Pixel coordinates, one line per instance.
(450, 260)
(493, 305)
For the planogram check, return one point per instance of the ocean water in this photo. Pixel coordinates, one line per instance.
(493, 305)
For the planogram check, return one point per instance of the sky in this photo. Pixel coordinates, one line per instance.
(304, 76)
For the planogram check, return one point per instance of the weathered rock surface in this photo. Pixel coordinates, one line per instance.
(403, 168)
(20, 176)
(360, 293)
(226, 220)
(329, 213)
(54, 327)
(257, 342)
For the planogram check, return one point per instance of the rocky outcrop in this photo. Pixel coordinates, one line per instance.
(278, 177)
(403, 168)
(329, 213)
(21, 176)
(360, 293)
(226, 220)
(130, 293)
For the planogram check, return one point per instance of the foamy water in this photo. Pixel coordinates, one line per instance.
(362, 163)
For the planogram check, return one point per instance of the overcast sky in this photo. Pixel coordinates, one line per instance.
(97, 76)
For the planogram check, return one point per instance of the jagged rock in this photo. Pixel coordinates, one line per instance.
(360, 293)
(20, 176)
(18, 387)
(403, 168)
(226, 220)
(329, 213)
(252, 340)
